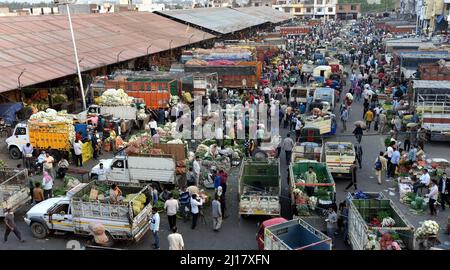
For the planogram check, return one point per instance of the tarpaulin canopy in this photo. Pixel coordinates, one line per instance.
(8, 111)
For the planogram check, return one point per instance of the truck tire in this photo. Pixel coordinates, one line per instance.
(260, 155)
(38, 230)
(15, 153)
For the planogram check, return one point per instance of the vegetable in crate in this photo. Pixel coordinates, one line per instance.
(388, 222)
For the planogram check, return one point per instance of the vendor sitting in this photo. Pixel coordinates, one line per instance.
(424, 181)
(115, 194)
(310, 178)
(63, 166)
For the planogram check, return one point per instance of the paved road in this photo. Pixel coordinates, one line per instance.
(239, 233)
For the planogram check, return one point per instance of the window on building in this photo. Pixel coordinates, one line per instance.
(327, 2)
(298, 10)
(319, 10)
(319, 2)
(353, 7)
(330, 9)
(341, 8)
(308, 10)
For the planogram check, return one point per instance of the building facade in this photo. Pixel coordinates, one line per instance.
(309, 9)
(348, 11)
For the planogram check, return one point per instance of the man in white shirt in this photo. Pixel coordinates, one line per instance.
(196, 167)
(77, 148)
(424, 181)
(175, 240)
(298, 128)
(153, 125)
(171, 207)
(101, 173)
(195, 203)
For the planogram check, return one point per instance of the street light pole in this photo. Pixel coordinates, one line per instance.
(67, 2)
(189, 43)
(148, 48)
(170, 48)
(118, 55)
(20, 85)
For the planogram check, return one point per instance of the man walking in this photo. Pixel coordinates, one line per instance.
(195, 204)
(288, 145)
(154, 226)
(368, 116)
(444, 188)
(27, 155)
(171, 207)
(77, 148)
(216, 213)
(175, 240)
(10, 226)
(395, 159)
(344, 118)
(359, 154)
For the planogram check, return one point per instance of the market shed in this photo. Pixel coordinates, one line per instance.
(218, 20)
(41, 46)
(267, 13)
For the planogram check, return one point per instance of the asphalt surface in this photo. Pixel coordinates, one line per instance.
(237, 233)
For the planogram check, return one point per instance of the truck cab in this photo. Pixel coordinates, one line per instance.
(18, 139)
(263, 226)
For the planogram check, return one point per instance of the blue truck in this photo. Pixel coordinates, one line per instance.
(297, 234)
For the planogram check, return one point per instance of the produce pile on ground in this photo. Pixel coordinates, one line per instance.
(2, 164)
(52, 116)
(69, 183)
(113, 97)
(416, 203)
(429, 228)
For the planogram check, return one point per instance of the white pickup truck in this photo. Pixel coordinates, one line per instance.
(14, 189)
(137, 170)
(73, 213)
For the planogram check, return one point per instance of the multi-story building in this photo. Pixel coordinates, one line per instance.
(309, 9)
(348, 11)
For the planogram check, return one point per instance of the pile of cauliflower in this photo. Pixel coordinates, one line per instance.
(52, 116)
(428, 228)
(113, 97)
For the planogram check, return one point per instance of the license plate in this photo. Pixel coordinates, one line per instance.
(259, 212)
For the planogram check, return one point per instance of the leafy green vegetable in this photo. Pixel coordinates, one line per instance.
(382, 215)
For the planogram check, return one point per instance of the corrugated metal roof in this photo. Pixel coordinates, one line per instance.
(266, 13)
(425, 55)
(432, 84)
(43, 46)
(220, 20)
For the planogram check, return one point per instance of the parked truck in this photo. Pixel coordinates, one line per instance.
(324, 192)
(309, 146)
(435, 115)
(259, 188)
(341, 159)
(297, 234)
(121, 112)
(14, 189)
(77, 210)
(365, 211)
(53, 137)
(137, 170)
(242, 75)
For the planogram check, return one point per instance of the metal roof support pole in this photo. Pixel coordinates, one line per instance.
(67, 2)
(20, 85)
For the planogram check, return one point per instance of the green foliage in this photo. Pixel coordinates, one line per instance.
(382, 215)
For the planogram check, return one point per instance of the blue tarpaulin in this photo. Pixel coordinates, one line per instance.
(8, 111)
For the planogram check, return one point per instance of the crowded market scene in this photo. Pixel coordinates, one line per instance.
(335, 131)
